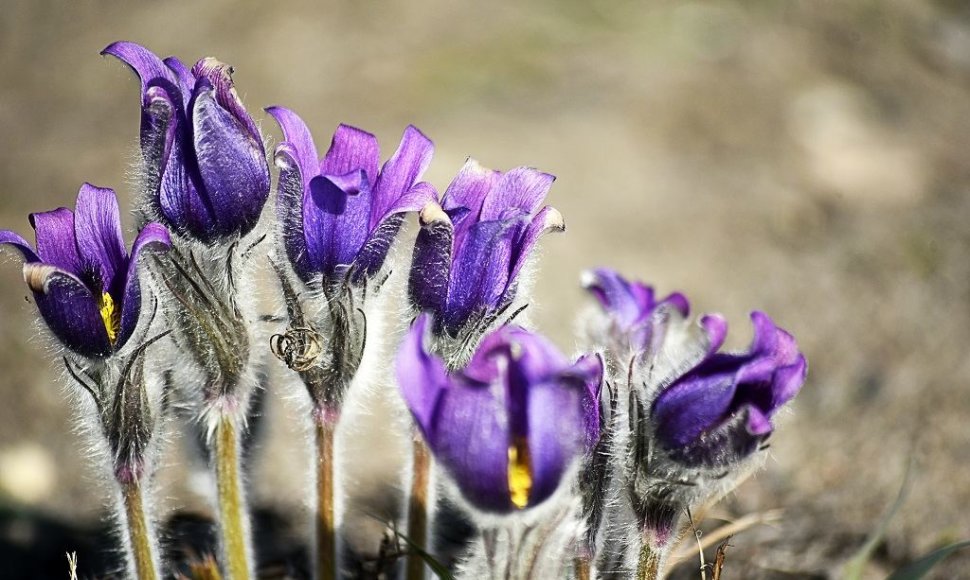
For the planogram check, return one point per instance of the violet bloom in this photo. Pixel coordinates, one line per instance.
(203, 152)
(339, 214)
(471, 249)
(631, 308)
(510, 424)
(84, 282)
(720, 411)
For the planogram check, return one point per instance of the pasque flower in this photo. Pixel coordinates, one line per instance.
(340, 214)
(84, 282)
(720, 411)
(630, 309)
(471, 249)
(508, 425)
(204, 156)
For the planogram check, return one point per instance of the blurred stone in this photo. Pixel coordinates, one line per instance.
(27, 473)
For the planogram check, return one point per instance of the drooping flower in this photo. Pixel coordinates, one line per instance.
(472, 248)
(631, 311)
(84, 282)
(203, 152)
(509, 425)
(339, 214)
(720, 411)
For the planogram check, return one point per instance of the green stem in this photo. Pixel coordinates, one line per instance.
(138, 534)
(648, 564)
(231, 503)
(326, 524)
(418, 509)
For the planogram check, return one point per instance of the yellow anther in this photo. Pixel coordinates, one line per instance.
(111, 316)
(520, 472)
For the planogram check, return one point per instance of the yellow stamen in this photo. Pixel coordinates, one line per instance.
(520, 472)
(111, 316)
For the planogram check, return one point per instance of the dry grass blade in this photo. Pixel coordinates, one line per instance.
(726, 531)
(72, 564)
(719, 557)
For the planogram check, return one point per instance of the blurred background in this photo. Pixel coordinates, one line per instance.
(808, 158)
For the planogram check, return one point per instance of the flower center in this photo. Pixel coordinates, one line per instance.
(520, 472)
(111, 316)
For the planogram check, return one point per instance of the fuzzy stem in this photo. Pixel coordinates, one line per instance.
(138, 534)
(582, 568)
(326, 523)
(418, 509)
(648, 564)
(231, 503)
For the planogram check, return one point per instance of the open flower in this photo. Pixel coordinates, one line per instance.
(472, 248)
(631, 311)
(84, 282)
(510, 424)
(339, 215)
(203, 153)
(720, 411)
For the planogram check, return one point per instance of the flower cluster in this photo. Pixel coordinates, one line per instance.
(560, 465)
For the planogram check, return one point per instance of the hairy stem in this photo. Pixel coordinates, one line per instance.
(142, 553)
(582, 568)
(418, 509)
(649, 562)
(326, 523)
(232, 527)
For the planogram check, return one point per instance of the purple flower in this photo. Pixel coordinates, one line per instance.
(472, 248)
(720, 410)
(204, 154)
(631, 308)
(340, 214)
(509, 425)
(84, 282)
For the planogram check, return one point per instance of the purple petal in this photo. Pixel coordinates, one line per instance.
(547, 220)
(232, 164)
(420, 375)
(523, 188)
(219, 75)
(69, 309)
(372, 255)
(152, 237)
(160, 120)
(14, 239)
(470, 187)
(351, 151)
(56, 244)
(590, 370)
(471, 440)
(145, 63)
(100, 240)
(556, 435)
(692, 405)
(715, 327)
(179, 196)
(401, 172)
(415, 199)
(298, 143)
(431, 261)
(289, 212)
(186, 80)
(479, 271)
(335, 225)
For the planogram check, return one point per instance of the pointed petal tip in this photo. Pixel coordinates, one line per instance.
(715, 327)
(554, 221)
(432, 214)
(37, 275)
